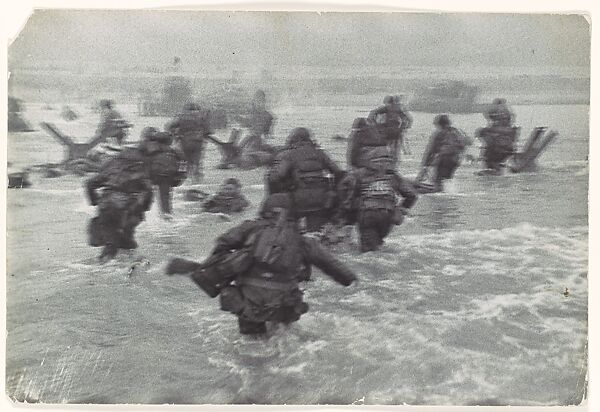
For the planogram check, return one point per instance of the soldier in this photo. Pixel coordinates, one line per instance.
(500, 137)
(190, 128)
(444, 151)
(499, 114)
(126, 195)
(303, 169)
(263, 258)
(363, 138)
(395, 122)
(229, 198)
(368, 196)
(112, 123)
(167, 168)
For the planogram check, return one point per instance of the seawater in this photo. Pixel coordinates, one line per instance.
(480, 297)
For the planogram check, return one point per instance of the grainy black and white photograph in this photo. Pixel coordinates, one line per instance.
(297, 208)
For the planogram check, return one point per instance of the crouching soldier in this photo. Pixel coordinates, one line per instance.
(368, 197)
(126, 194)
(166, 166)
(255, 268)
(229, 198)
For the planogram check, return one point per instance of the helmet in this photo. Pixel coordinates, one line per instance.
(359, 123)
(388, 99)
(380, 153)
(297, 135)
(149, 132)
(191, 107)
(499, 100)
(441, 120)
(276, 201)
(106, 103)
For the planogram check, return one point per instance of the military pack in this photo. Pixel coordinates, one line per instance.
(168, 163)
(277, 245)
(124, 169)
(378, 193)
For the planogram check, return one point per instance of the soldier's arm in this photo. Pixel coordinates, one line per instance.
(406, 190)
(346, 191)
(235, 237)
(320, 257)
(331, 165)
(352, 150)
(407, 119)
(280, 170)
(373, 113)
(92, 185)
(430, 150)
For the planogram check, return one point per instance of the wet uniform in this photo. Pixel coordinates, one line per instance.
(396, 120)
(370, 196)
(302, 170)
(444, 151)
(190, 129)
(269, 292)
(126, 195)
(112, 125)
(167, 167)
(499, 137)
(362, 139)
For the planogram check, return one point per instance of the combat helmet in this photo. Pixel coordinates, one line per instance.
(298, 135)
(442, 120)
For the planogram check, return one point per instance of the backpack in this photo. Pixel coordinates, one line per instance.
(126, 168)
(453, 142)
(168, 163)
(277, 246)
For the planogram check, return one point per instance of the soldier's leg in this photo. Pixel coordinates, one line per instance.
(384, 225)
(248, 327)
(195, 159)
(164, 191)
(370, 238)
(108, 222)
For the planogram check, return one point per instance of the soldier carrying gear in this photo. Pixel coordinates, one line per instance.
(263, 258)
(190, 129)
(395, 121)
(368, 197)
(363, 139)
(499, 114)
(307, 172)
(444, 151)
(229, 198)
(166, 165)
(499, 137)
(112, 123)
(126, 195)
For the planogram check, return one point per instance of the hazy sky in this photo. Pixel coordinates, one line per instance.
(263, 38)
